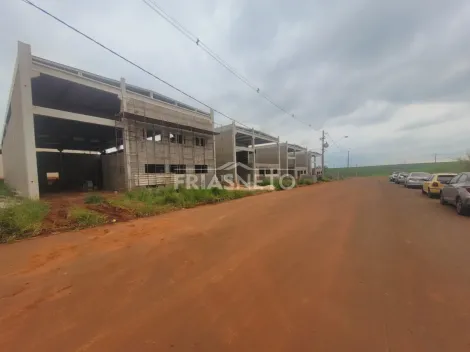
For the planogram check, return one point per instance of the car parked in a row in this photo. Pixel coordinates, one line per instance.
(451, 188)
(457, 192)
(434, 185)
(398, 177)
(416, 179)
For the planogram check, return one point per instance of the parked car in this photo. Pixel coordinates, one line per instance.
(457, 192)
(393, 177)
(416, 179)
(401, 177)
(432, 187)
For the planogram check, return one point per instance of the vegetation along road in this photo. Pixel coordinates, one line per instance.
(355, 265)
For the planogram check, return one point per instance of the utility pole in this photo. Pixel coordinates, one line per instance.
(323, 153)
(348, 159)
(435, 158)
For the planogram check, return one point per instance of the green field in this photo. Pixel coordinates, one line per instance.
(385, 170)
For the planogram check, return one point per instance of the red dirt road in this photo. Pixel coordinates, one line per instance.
(357, 265)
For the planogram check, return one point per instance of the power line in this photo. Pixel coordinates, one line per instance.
(129, 61)
(114, 52)
(334, 142)
(155, 7)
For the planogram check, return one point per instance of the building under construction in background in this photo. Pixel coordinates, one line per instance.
(236, 150)
(254, 155)
(292, 159)
(67, 129)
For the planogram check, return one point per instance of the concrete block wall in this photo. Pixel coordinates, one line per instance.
(304, 161)
(142, 151)
(151, 110)
(225, 149)
(113, 171)
(284, 163)
(268, 155)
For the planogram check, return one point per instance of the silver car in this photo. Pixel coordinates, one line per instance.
(416, 179)
(401, 178)
(457, 192)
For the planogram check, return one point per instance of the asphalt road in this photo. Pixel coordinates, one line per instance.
(357, 265)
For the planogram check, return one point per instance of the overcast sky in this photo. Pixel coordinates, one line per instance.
(392, 75)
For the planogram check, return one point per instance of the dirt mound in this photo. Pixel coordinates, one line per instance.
(112, 212)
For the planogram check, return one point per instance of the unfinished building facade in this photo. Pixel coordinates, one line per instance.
(293, 159)
(67, 130)
(237, 153)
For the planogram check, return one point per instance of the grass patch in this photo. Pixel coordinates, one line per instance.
(265, 182)
(22, 219)
(5, 191)
(285, 184)
(137, 208)
(94, 199)
(87, 218)
(151, 201)
(323, 179)
(385, 170)
(305, 181)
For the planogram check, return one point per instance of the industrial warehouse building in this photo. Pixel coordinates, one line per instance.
(293, 159)
(236, 148)
(67, 130)
(253, 153)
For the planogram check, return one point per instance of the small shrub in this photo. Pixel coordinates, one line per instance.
(217, 191)
(238, 194)
(305, 181)
(5, 191)
(286, 182)
(87, 218)
(94, 199)
(265, 182)
(22, 219)
(324, 179)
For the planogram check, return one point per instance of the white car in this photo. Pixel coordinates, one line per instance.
(416, 179)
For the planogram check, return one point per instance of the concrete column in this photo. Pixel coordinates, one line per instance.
(213, 143)
(278, 157)
(234, 134)
(125, 137)
(287, 158)
(19, 146)
(254, 155)
(295, 163)
(306, 161)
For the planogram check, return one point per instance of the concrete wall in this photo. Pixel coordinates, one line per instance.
(141, 151)
(283, 159)
(151, 110)
(267, 155)
(18, 145)
(225, 150)
(304, 161)
(112, 166)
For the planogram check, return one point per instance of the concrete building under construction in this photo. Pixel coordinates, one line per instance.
(293, 159)
(253, 153)
(236, 152)
(67, 129)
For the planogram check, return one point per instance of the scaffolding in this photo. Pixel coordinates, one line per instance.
(150, 152)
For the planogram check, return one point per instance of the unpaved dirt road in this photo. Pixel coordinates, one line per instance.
(357, 265)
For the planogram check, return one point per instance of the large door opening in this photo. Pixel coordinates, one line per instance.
(70, 154)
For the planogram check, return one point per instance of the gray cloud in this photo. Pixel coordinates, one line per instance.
(332, 63)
